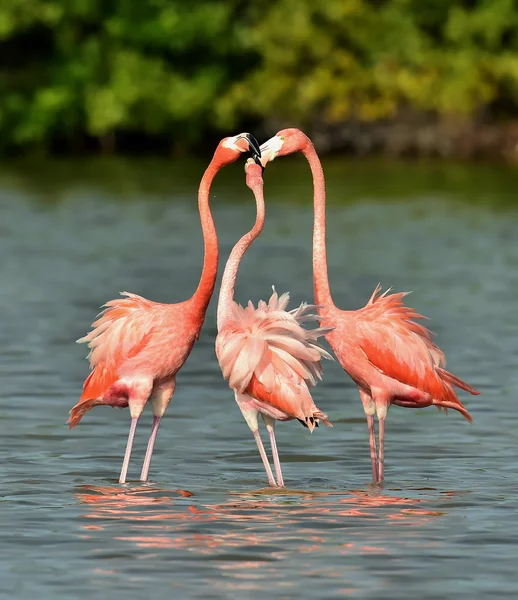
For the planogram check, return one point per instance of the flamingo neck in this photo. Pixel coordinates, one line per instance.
(228, 282)
(320, 276)
(203, 293)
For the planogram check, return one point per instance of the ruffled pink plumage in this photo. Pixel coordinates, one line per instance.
(390, 356)
(400, 348)
(267, 354)
(132, 334)
(121, 332)
(138, 346)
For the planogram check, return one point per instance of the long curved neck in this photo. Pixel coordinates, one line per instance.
(228, 282)
(203, 293)
(320, 276)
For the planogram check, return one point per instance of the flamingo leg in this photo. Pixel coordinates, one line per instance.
(370, 410)
(381, 440)
(270, 426)
(129, 446)
(159, 400)
(264, 458)
(150, 446)
(250, 415)
(372, 443)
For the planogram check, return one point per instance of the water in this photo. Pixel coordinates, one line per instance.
(444, 523)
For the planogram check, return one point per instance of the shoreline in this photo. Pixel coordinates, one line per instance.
(451, 139)
(402, 139)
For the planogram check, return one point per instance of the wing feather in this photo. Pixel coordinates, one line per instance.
(122, 330)
(267, 353)
(402, 349)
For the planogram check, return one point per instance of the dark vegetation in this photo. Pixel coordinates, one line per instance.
(396, 76)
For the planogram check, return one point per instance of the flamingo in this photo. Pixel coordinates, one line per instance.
(138, 346)
(269, 360)
(391, 358)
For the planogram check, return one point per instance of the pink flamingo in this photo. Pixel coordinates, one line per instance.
(268, 358)
(138, 346)
(391, 358)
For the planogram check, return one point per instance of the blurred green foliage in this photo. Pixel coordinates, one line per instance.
(110, 71)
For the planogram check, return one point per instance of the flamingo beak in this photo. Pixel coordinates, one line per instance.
(245, 142)
(255, 149)
(270, 149)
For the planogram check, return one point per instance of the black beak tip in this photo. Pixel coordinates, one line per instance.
(254, 147)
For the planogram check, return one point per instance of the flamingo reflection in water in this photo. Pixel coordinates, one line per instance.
(163, 515)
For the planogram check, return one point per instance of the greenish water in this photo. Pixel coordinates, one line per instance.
(74, 234)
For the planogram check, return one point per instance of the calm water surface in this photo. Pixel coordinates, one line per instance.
(444, 524)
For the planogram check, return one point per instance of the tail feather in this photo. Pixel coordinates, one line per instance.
(451, 399)
(457, 381)
(458, 406)
(78, 411)
(322, 417)
(313, 421)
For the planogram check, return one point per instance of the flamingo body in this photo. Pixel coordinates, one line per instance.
(268, 358)
(388, 354)
(266, 355)
(391, 357)
(137, 346)
(135, 335)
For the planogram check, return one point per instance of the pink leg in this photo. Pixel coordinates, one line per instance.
(264, 458)
(250, 415)
(270, 426)
(159, 401)
(381, 436)
(372, 442)
(150, 446)
(370, 410)
(129, 446)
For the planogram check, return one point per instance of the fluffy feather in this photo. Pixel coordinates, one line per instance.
(411, 357)
(266, 353)
(121, 331)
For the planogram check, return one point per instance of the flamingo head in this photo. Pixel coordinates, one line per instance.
(286, 141)
(230, 148)
(254, 174)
